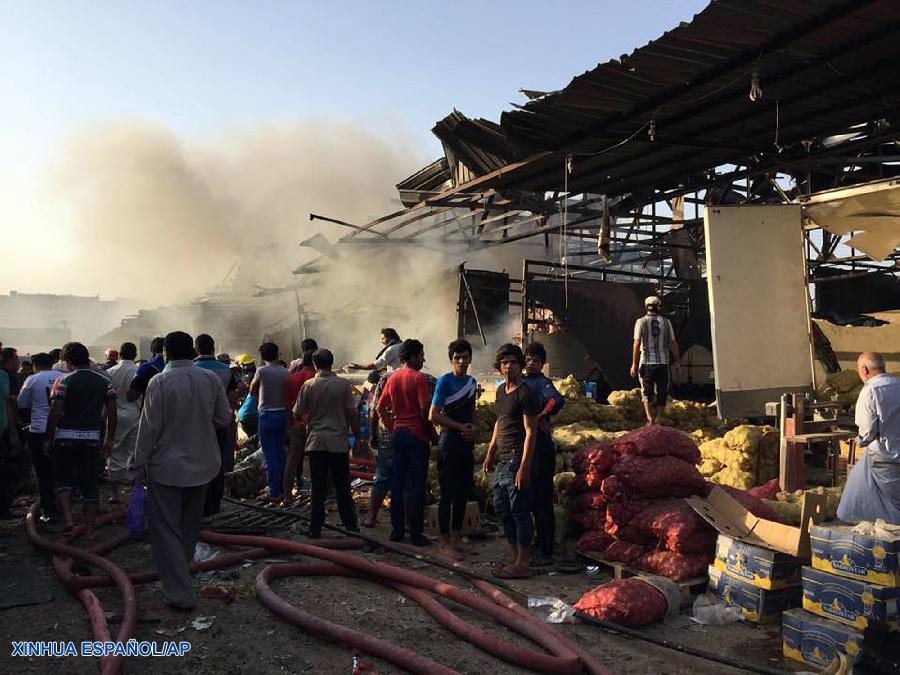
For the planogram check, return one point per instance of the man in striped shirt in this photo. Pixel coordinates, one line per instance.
(654, 340)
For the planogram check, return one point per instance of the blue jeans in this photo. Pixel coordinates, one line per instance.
(272, 430)
(384, 466)
(513, 506)
(410, 472)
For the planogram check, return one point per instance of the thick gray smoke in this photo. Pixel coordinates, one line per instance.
(161, 218)
(164, 219)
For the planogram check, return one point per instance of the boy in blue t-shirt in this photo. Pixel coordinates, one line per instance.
(453, 409)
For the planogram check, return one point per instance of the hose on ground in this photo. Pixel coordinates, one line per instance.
(563, 659)
(114, 664)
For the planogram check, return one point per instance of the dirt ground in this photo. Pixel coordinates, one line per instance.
(244, 637)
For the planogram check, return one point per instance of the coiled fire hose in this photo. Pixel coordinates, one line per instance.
(564, 657)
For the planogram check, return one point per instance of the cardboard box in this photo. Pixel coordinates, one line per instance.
(856, 603)
(757, 605)
(819, 642)
(762, 567)
(839, 550)
(730, 518)
(471, 521)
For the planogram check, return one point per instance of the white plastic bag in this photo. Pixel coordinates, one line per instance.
(711, 613)
(551, 610)
(203, 552)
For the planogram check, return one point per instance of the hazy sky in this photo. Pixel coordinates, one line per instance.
(207, 70)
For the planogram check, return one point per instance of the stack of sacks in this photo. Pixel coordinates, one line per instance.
(844, 386)
(572, 437)
(590, 413)
(698, 419)
(584, 500)
(747, 456)
(666, 536)
(640, 476)
(630, 405)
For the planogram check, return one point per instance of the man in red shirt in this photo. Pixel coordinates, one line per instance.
(403, 407)
(300, 373)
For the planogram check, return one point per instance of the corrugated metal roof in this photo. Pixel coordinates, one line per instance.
(480, 145)
(425, 182)
(822, 65)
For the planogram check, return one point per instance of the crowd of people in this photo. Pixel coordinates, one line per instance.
(172, 423)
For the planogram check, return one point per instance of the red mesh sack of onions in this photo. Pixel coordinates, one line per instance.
(585, 501)
(675, 566)
(601, 457)
(656, 477)
(656, 441)
(594, 540)
(590, 519)
(626, 602)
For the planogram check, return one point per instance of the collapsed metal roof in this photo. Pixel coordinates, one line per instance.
(754, 86)
(682, 103)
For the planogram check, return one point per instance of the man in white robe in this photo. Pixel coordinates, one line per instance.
(873, 486)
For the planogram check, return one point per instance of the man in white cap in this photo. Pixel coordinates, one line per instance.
(654, 344)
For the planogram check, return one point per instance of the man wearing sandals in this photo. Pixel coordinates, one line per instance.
(512, 443)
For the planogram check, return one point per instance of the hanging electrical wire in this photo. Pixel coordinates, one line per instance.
(777, 114)
(564, 249)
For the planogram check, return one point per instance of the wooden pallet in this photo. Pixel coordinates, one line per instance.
(618, 570)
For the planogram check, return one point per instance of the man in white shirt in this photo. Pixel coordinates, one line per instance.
(178, 453)
(387, 359)
(35, 396)
(654, 340)
(873, 486)
(129, 412)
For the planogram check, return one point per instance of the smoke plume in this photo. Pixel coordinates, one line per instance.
(166, 219)
(162, 218)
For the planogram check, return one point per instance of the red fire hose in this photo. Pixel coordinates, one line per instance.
(591, 664)
(111, 665)
(326, 630)
(564, 659)
(360, 461)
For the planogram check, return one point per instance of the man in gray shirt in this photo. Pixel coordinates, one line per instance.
(327, 404)
(178, 453)
(270, 385)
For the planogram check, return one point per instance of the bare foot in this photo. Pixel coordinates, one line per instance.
(513, 572)
(449, 551)
(461, 546)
